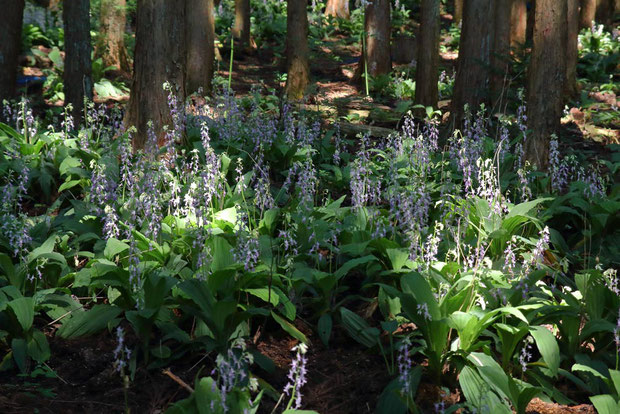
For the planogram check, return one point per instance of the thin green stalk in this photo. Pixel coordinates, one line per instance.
(232, 51)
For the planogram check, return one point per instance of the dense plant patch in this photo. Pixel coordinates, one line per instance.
(458, 263)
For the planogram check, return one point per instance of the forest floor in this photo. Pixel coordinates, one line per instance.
(342, 379)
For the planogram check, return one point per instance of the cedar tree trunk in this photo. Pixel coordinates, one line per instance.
(500, 58)
(605, 11)
(377, 29)
(458, 11)
(572, 46)
(159, 57)
(546, 77)
(241, 30)
(427, 73)
(518, 22)
(111, 45)
(587, 13)
(471, 85)
(297, 51)
(78, 67)
(337, 8)
(10, 45)
(200, 34)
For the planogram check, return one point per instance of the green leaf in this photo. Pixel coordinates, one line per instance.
(345, 268)
(38, 348)
(114, 247)
(288, 327)
(264, 294)
(89, 322)
(548, 347)
(325, 328)
(68, 184)
(398, 257)
(20, 351)
(605, 404)
(358, 329)
(585, 368)
(414, 284)
(24, 311)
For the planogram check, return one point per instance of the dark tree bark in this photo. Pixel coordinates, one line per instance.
(572, 45)
(530, 21)
(377, 28)
(587, 13)
(458, 11)
(159, 57)
(518, 22)
(78, 83)
(337, 8)
(297, 51)
(472, 77)
(427, 73)
(241, 30)
(546, 78)
(500, 58)
(200, 34)
(605, 11)
(10, 45)
(111, 44)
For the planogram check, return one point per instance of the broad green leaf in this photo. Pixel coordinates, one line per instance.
(89, 322)
(325, 328)
(113, 247)
(20, 352)
(605, 404)
(24, 311)
(585, 368)
(548, 347)
(358, 328)
(38, 348)
(288, 327)
(345, 268)
(414, 284)
(265, 294)
(398, 257)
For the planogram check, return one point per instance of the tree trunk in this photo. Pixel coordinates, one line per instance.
(297, 51)
(605, 12)
(78, 83)
(241, 30)
(458, 11)
(159, 57)
(10, 46)
(377, 29)
(472, 76)
(572, 47)
(337, 8)
(111, 45)
(518, 23)
(500, 58)
(546, 78)
(587, 13)
(530, 21)
(200, 34)
(427, 73)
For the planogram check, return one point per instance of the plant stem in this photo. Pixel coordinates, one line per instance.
(365, 57)
(232, 51)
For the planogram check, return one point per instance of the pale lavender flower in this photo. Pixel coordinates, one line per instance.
(510, 260)
(404, 367)
(122, 354)
(525, 356)
(297, 374)
(423, 311)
